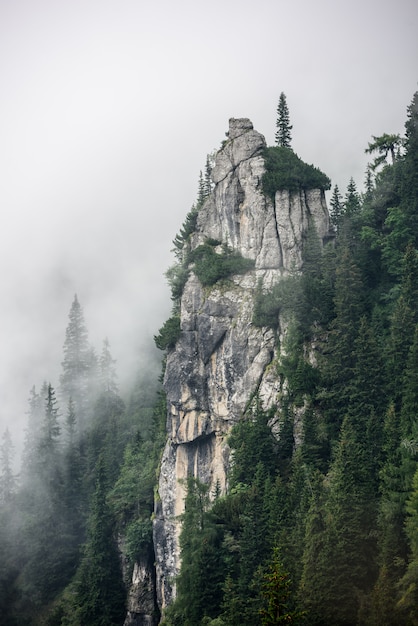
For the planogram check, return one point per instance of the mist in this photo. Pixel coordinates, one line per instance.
(107, 113)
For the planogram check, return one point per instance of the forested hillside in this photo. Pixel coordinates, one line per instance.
(318, 524)
(84, 492)
(320, 521)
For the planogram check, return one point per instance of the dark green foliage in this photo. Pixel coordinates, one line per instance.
(99, 593)
(199, 585)
(384, 145)
(188, 227)
(336, 208)
(285, 170)
(408, 585)
(253, 442)
(283, 133)
(352, 202)
(340, 541)
(337, 366)
(306, 298)
(211, 266)
(266, 307)
(177, 276)
(138, 538)
(168, 333)
(276, 592)
(285, 297)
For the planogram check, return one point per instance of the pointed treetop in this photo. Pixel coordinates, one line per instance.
(107, 369)
(337, 207)
(283, 133)
(352, 203)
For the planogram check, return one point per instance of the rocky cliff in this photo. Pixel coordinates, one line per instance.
(221, 358)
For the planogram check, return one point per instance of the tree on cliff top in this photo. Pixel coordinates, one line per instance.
(283, 133)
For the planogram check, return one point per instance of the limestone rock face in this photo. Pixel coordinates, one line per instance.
(141, 596)
(221, 358)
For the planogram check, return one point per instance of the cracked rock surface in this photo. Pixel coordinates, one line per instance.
(221, 358)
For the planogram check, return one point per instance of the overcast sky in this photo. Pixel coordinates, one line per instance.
(107, 112)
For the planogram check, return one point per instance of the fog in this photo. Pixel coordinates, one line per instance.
(107, 112)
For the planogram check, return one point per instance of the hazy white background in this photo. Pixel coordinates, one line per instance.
(107, 111)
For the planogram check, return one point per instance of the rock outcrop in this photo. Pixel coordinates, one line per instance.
(221, 358)
(141, 595)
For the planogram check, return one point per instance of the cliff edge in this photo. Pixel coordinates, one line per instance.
(221, 358)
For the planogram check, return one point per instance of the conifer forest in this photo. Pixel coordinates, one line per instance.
(318, 522)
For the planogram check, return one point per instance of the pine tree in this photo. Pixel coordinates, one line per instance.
(201, 192)
(391, 536)
(409, 171)
(199, 584)
(401, 224)
(78, 362)
(369, 183)
(338, 362)
(398, 345)
(276, 590)
(314, 304)
(352, 202)
(99, 598)
(107, 365)
(49, 537)
(368, 383)
(49, 448)
(50, 429)
(253, 442)
(383, 145)
(73, 492)
(337, 208)
(313, 586)
(283, 133)
(208, 177)
(35, 415)
(71, 424)
(8, 482)
(350, 536)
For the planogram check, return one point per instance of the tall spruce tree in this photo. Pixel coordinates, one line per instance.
(276, 591)
(99, 598)
(352, 201)
(337, 208)
(199, 584)
(338, 362)
(107, 369)
(284, 128)
(78, 363)
(8, 481)
(349, 536)
(392, 542)
(208, 177)
(35, 415)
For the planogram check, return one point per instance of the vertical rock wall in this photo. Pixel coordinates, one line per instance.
(221, 358)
